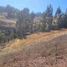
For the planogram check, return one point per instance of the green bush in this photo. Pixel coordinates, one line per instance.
(2, 36)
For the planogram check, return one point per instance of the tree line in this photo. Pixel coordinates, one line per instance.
(41, 22)
(30, 22)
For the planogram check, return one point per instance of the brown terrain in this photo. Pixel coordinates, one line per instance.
(38, 50)
(10, 23)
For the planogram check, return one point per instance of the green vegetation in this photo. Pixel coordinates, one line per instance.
(46, 47)
(29, 22)
(2, 36)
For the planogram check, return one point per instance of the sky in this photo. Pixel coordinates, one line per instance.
(35, 5)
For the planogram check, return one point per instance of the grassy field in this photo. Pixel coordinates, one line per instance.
(38, 50)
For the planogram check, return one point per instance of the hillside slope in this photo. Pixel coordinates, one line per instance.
(38, 50)
(10, 23)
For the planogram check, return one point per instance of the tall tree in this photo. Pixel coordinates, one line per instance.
(32, 16)
(59, 17)
(23, 23)
(58, 12)
(11, 12)
(47, 16)
(65, 19)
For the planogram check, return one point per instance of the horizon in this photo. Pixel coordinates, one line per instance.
(36, 5)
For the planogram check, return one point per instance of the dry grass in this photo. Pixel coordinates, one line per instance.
(33, 39)
(38, 50)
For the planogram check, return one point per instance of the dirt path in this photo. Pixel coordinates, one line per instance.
(34, 54)
(32, 39)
